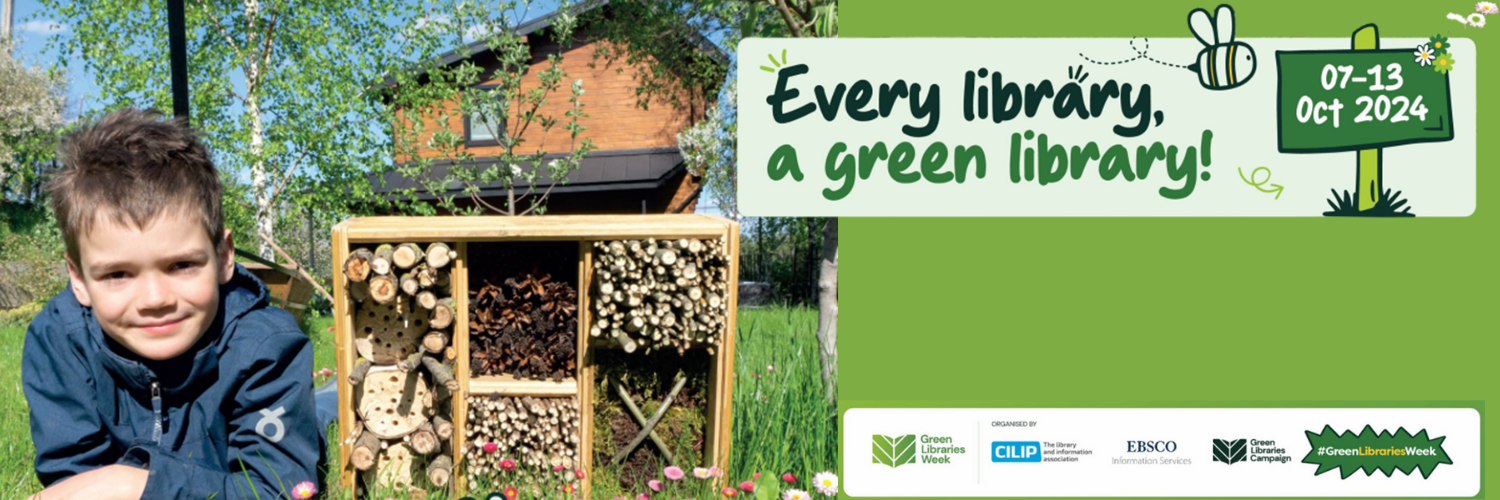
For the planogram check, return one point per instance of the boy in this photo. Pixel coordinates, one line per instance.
(161, 373)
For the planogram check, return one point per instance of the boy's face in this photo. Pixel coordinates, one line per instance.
(154, 290)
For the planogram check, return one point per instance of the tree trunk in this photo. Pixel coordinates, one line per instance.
(266, 221)
(828, 308)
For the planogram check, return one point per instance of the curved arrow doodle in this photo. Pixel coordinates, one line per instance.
(1257, 184)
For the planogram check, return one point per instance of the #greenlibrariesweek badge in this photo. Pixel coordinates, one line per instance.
(1205, 121)
(1385, 452)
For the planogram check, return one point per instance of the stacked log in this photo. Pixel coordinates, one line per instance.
(403, 380)
(526, 327)
(660, 294)
(539, 433)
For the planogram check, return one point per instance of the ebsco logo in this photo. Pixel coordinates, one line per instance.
(1015, 451)
(1150, 446)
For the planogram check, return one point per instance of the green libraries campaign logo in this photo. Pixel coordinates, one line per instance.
(1385, 452)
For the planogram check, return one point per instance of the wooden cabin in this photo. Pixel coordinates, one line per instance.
(636, 168)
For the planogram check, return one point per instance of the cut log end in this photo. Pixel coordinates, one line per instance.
(427, 300)
(442, 314)
(357, 266)
(406, 255)
(440, 470)
(382, 289)
(435, 342)
(439, 255)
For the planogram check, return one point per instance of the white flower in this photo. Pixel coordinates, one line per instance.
(826, 483)
(1487, 8)
(1424, 55)
(794, 495)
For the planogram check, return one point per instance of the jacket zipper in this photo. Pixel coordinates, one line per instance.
(156, 412)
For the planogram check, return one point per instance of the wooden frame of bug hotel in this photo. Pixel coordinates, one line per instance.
(404, 401)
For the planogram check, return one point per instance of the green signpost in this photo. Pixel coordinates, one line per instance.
(1360, 100)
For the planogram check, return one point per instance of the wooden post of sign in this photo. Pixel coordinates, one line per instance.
(1368, 184)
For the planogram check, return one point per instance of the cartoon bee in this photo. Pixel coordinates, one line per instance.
(1223, 63)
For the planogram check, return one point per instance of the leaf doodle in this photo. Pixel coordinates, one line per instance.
(895, 451)
(1229, 452)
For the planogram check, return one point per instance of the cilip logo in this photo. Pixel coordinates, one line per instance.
(1015, 451)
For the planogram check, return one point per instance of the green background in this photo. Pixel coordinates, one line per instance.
(1301, 75)
(1173, 311)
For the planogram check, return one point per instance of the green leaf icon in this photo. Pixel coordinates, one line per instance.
(1229, 451)
(1384, 452)
(896, 451)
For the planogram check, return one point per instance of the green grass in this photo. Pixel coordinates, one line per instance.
(782, 423)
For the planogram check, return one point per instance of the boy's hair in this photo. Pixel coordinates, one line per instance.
(132, 166)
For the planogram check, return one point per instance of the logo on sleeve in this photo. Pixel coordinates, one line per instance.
(271, 418)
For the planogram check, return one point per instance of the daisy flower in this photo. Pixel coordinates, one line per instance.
(730, 492)
(1443, 64)
(700, 473)
(715, 471)
(642, 496)
(511, 492)
(304, 490)
(491, 447)
(672, 472)
(507, 465)
(788, 477)
(568, 489)
(794, 495)
(1439, 44)
(1486, 8)
(578, 473)
(1424, 55)
(826, 483)
(654, 485)
(748, 486)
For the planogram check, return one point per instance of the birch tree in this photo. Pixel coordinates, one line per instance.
(282, 90)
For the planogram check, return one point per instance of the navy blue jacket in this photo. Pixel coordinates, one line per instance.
(232, 418)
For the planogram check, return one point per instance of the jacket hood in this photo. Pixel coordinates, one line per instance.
(241, 295)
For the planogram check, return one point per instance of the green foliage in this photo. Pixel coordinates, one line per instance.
(668, 41)
(782, 419)
(785, 252)
(280, 90)
(510, 110)
(30, 116)
(31, 250)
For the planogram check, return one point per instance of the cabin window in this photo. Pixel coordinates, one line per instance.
(481, 130)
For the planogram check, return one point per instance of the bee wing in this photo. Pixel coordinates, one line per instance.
(1224, 23)
(1202, 26)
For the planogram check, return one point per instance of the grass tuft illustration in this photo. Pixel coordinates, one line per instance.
(1389, 205)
